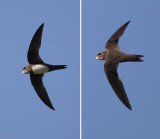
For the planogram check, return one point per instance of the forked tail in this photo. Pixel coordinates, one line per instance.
(56, 67)
(131, 58)
(136, 58)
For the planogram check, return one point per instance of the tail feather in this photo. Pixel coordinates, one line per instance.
(137, 58)
(56, 67)
(131, 58)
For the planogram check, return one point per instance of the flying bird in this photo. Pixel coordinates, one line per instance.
(37, 67)
(112, 56)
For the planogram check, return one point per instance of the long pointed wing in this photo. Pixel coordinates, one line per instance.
(36, 80)
(117, 84)
(33, 52)
(113, 41)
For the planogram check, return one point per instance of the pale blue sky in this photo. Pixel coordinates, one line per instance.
(23, 114)
(104, 116)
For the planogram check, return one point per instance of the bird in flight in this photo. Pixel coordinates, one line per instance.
(37, 67)
(112, 56)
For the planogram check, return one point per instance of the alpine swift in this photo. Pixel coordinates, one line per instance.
(112, 56)
(37, 67)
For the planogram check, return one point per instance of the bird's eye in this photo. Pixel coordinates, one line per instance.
(99, 53)
(24, 68)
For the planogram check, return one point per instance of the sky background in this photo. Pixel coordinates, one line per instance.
(104, 116)
(23, 115)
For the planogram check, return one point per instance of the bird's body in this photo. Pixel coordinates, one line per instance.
(37, 67)
(112, 56)
(41, 68)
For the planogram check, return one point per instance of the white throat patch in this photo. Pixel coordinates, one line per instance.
(40, 69)
(99, 58)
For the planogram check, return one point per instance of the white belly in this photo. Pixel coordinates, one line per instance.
(40, 69)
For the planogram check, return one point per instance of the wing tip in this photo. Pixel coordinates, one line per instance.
(129, 106)
(41, 26)
(52, 108)
(127, 23)
(50, 105)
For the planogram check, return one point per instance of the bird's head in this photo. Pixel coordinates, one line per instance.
(101, 55)
(27, 69)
